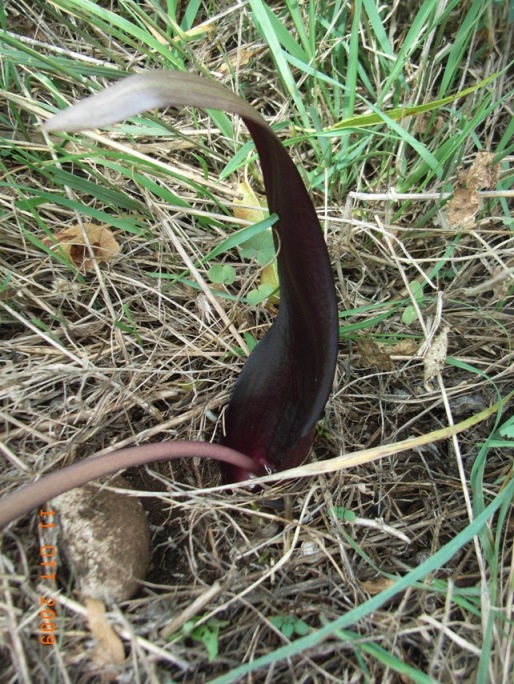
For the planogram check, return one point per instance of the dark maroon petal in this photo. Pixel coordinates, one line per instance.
(284, 385)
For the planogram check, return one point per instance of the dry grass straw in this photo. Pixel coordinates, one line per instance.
(118, 356)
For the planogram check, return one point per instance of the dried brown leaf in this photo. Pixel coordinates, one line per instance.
(464, 206)
(435, 357)
(482, 174)
(375, 586)
(404, 348)
(371, 356)
(74, 243)
(239, 58)
(108, 650)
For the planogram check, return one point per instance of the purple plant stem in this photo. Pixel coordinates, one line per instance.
(36, 493)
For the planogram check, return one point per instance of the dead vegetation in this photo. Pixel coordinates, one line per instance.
(136, 349)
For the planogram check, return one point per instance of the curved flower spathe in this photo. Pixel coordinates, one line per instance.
(284, 385)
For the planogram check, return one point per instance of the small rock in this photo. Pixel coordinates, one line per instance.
(105, 539)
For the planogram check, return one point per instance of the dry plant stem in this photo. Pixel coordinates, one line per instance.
(82, 363)
(201, 282)
(11, 621)
(36, 493)
(485, 591)
(393, 196)
(192, 610)
(350, 460)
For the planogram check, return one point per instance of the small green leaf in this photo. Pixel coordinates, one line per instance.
(222, 274)
(410, 313)
(289, 625)
(417, 291)
(260, 247)
(287, 629)
(130, 327)
(507, 429)
(301, 628)
(4, 285)
(343, 513)
(260, 294)
(207, 634)
(123, 326)
(250, 340)
(209, 638)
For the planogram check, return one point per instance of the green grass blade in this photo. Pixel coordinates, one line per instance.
(442, 556)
